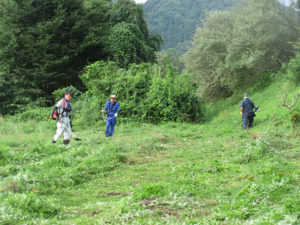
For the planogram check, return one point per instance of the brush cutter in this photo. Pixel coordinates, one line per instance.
(105, 118)
(73, 135)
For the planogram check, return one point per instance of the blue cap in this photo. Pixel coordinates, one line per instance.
(68, 92)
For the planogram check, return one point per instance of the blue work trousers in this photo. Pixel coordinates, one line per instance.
(247, 121)
(110, 126)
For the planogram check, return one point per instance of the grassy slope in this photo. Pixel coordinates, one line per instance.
(168, 174)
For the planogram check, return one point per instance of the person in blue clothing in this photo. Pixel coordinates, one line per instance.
(112, 108)
(247, 112)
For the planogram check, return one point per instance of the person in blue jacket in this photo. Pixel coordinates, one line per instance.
(112, 108)
(247, 108)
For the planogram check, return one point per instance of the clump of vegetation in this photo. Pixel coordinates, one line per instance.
(149, 191)
(295, 115)
(145, 93)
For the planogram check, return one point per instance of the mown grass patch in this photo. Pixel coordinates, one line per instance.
(173, 173)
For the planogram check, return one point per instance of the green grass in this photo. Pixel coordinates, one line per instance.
(174, 173)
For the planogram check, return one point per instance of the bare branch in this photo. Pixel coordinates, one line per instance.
(294, 103)
(284, 98)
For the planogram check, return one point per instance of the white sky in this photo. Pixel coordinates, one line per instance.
(286, 2)
(140, 1)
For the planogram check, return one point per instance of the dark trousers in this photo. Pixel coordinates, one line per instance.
(110, 126)
(247, 121)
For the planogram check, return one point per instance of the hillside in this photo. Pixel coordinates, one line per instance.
(177, 20)
(212, 173)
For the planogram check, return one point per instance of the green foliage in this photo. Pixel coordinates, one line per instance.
(177, 20)
(58, 94)
(129, 39)
(43, 51)
(31, 205)
(127, 45)
(225, 58)
(143, 91)
(149, 191)
(129, 12)
(170, 58)
(293, 69)
(45, 44)
(295, 118)
(37, 114)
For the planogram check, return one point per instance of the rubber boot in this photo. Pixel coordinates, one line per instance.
(66, 142)
(53, 142)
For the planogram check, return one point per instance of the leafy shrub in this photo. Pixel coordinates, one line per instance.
(143, 91)
(37, 114)
(293, 70)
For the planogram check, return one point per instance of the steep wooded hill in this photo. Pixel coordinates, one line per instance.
(176, 20)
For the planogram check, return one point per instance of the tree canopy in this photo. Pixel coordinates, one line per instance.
(44, 44)
(234, 48)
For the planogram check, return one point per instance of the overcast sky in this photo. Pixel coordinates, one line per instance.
(286, 2)
(140, 1)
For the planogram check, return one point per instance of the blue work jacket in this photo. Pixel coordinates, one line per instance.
(248, 107)
(112, 108)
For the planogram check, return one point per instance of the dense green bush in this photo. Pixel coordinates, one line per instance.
(144, 92)
(293, 70)
(37, 114)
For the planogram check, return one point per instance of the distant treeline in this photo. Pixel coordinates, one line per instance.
(45, 44)
(177, 20)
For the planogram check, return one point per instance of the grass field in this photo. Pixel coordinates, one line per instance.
(175, 173)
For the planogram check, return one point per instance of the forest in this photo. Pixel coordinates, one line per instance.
(46, 44)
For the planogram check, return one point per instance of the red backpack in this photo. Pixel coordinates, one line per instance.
(55, 114)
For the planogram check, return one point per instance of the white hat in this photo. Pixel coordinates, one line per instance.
(113, 96)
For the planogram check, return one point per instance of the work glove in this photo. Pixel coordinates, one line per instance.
(241, 113)
(103, 110)
(116, 114)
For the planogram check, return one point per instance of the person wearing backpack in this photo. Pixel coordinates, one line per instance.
(61, 113)
(247, 112)
(112, 108)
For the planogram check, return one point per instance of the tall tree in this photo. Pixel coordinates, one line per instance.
(130, 41)
(44, 44)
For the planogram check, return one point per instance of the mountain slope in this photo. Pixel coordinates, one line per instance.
(176, 20)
